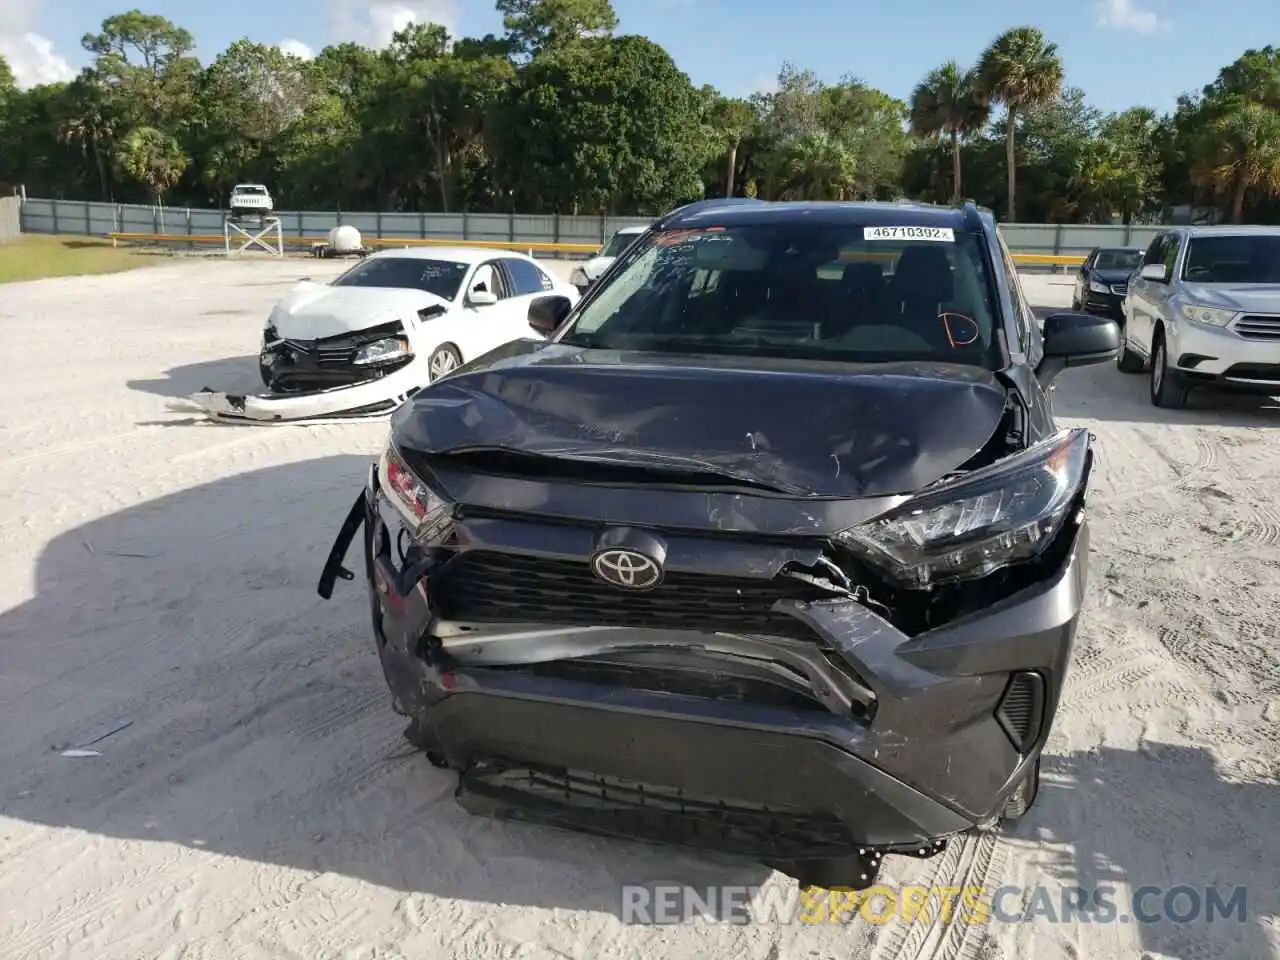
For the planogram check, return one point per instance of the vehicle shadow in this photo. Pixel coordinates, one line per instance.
(1102, 392)
(234, 375)
(261, 727)
(1161, 817)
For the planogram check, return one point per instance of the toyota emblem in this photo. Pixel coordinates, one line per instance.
(627, 569)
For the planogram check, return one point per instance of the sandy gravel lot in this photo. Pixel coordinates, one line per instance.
(261, 804)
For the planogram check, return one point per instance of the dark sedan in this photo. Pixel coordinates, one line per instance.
(1103, 280)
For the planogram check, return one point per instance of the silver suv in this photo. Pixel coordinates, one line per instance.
(1204, 310)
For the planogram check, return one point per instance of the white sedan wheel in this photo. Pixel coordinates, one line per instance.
(443, 361)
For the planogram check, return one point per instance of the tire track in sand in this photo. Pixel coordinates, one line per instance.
(975, 859)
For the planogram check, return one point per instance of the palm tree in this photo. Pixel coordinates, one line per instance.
(1019, 69)
(948, 103)
(152, 158)
(732, 122)
(1241, 152)
(90, 128)
(817, 167)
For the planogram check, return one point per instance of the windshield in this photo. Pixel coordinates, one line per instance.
(618, 243)
(798, 290)
(1118, 260)
(441, 277)
(250, 190)
(1233, 259)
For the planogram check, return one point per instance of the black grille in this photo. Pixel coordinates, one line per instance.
(494, 587)
(612, 807)
(1021, 709)
(300, 365)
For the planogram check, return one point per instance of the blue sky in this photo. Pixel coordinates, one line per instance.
(1121, 52)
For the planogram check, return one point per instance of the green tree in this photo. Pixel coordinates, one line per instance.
(153, 158)
(1240, 151)
(146, 60)
(536, 25)
(818, 166)
(948, 103)
(448, 99)
(603, 125)
(731, 121)
(8, 82)
(91, 125)
(1020, 69)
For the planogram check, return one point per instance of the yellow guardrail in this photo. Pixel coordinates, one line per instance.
(531, 246)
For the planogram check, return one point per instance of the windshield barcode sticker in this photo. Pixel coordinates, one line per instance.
(935, 234)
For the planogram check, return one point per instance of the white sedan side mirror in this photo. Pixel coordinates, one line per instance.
(481, 298)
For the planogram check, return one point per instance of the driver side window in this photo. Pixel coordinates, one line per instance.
(1172, 245)
(1155, 252)
(488, 278)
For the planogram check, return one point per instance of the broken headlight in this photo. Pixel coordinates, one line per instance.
(382, 351)
(964, 529)
(425, 514)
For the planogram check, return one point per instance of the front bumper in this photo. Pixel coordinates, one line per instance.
(903, 743)
(1220, 357)
(372, 398)
(1105, 304)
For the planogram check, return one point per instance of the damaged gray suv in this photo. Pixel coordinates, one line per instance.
(772, 547)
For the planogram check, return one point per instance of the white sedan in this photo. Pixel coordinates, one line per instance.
(366, 341)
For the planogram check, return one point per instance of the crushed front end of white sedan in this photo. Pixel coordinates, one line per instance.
(358, 347)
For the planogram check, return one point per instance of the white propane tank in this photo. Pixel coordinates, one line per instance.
(345, 239)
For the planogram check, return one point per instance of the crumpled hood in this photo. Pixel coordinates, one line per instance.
(312, 311)
(1245, 297)
(826, 430)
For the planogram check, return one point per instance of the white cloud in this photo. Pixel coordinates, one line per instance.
(296, 48)
(1127, 15)
(373, 24)
(29, 55)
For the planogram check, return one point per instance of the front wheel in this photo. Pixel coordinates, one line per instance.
(443, 361)
(1169, 388)
(1126, 360)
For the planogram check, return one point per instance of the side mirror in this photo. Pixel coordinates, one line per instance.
(547, 313)
(481, 298)
(1076, 340)
(1154, 272)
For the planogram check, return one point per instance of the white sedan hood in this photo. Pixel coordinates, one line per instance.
(312, 311)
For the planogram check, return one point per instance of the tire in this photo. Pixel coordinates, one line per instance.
(1024, 797)
(1169, 388)
(1126, 360)
(443, 361)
